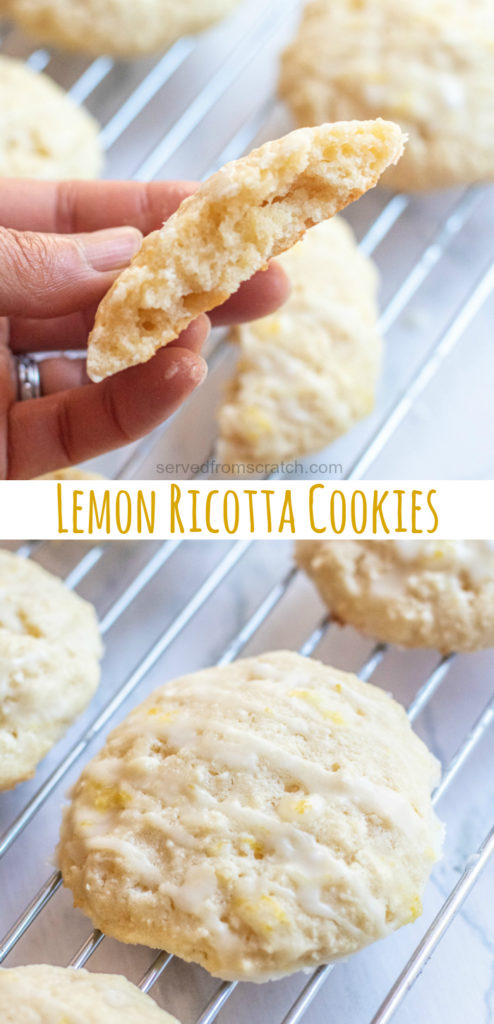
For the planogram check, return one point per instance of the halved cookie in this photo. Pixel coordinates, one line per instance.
(247, 212)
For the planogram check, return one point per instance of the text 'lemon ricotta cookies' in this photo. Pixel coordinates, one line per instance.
(250, 210)
(50, 648)
(123, 28)
(427, 65)
(43, 133)
(307, 373)
(417, 593)
(41, 994)
(258, 818)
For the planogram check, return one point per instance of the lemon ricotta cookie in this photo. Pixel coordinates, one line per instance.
(250, 210)
(307, 373)
(50, 648)
(41, 994)
(123, 28)
(43, 133)
(417, 593)
(257, 819)
(427, 65)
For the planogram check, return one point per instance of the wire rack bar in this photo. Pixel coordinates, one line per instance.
(25, 550)
(315, 637)
(90, 79)
(89, 946)
(43, 896)
(162, 556)
(308, 993)
(484, 721)
(256, 620)
(217, 1002)
(87, 949)
(89, 560)
(155, 971)
(432, 684)
(373, 661)
(244, 137)
(143, 94)
(424, 375)
(431, 256)
(383, 223)
(38, 60)
(238, 59)
(437, 930)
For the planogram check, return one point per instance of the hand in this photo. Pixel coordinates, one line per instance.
(61, 247)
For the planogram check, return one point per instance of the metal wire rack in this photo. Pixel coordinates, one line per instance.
(209, 99)
(206, 101)
(273, 601)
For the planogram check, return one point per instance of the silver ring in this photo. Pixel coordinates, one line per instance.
(28, 379)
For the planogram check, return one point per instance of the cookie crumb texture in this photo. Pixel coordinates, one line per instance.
(259, 818)
(43, 133)
(41, 994)
(49, 664)
(307, 373)
(250, 210)
(414, 593)
(122, 28)
(427, 65)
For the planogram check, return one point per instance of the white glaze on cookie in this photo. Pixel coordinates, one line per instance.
(259, 818)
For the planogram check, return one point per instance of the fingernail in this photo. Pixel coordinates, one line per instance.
(199, 372)
(111, 249)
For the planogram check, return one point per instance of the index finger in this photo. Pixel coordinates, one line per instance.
(71, 207)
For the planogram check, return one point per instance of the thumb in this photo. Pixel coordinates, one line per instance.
(52, 275)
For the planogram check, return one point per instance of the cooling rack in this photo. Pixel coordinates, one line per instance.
(206, 101)
(170, 608)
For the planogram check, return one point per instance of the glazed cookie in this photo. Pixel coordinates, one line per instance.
(258, 818)
(420, 593)
(49, 664)
(123, 28)
(249, 211)
(41, 994)
(306, 374)
(427, 65)
(43, 134)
